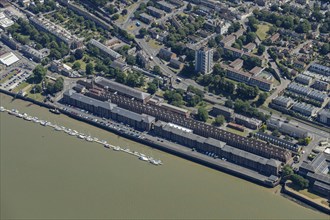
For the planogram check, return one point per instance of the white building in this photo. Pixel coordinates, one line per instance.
(204, 60)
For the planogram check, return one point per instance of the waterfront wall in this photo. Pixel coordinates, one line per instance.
(178, 151)
(302, 198)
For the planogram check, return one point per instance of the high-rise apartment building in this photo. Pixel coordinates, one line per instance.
(204, 60)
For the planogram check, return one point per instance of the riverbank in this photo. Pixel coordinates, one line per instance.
(57, 176)
(304, 199)
(166, 146)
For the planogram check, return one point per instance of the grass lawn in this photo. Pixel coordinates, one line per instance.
(262, 31)
(36, 96)
(154, 44)
(21, 87)
(237, 132)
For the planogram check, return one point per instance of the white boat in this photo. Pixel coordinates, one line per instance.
(143, 158)
(25, 115)
(95, 139)
(48, 123)
(116, 148)
(2, 109)
(19, 115)
(154, 162)
(73, 133)
(58, 128)
(28, 118)
(89, 138)
(107, 145)
(81, 136)
(13, 112)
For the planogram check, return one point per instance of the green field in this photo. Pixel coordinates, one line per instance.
(22, 86)
(262, 31)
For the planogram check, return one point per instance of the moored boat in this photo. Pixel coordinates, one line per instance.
(55, 111)
(2, 109)
(143, 158)
(81, 136)
(89, 138)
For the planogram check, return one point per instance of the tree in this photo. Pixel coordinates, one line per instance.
(39, 73)
(262, 98)
(131, 60)
(78, 54)
(218, 70)
(325, 49)
(276, 133)
(152, 88)
(89, 69)
(229, 103)
(76, 65)
(263, 128)
(115, 17)
(287, 171)
(261, 49)
(251, 37)
(143, 32)
(157, 70)
(124, 12)
(189, 7)
(58, 85)
(299, 181)
(202, 114)
(36, 89)
(219, 120)
(303, 27)
(304, 141)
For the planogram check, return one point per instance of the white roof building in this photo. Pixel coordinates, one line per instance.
(8, 59)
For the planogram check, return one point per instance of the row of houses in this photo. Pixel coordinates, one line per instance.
(106, 109)
(240, 157)
(229, 114)
(278, 141)
(247, 144)
(308, 81)
(62, 34)
(308, 92)
(246, 77)
(105, 50)
(283, 103)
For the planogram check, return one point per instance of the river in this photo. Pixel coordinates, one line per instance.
(49, 174)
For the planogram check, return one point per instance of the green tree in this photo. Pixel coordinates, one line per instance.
(299, 181)
(229, 103)
(39, 73)
(115, 17)
(325, 49)
(76, 65)
(251, 37)
(262, 98)
(58, 85)
(152, 88)
(89, 69)
(261, 49)
(143, 32)
(131, 60)
(263, 128)
(202, 114)
(276, 133)
(189, 7)
(287, 170)
(36, 89)
(78, 54)
(157, 70)
(219, 120)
